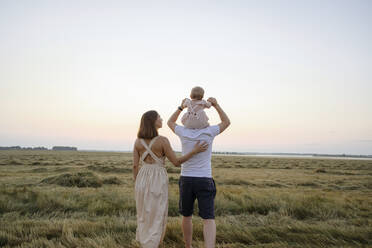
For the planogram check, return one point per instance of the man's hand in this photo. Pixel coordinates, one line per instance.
(172, 120)
(183, 103)
(225, 121)
(213, 101)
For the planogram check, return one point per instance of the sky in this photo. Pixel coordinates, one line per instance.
(293, 76)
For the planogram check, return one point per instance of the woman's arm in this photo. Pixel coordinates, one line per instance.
(171, 155)
(136, 158)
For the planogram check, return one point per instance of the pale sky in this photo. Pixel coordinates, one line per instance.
(293, 76)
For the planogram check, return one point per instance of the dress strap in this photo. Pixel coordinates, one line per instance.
(149, 151)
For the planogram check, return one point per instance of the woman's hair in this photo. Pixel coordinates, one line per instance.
(147, 129)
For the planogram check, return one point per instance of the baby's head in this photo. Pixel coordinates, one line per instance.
(197, 93)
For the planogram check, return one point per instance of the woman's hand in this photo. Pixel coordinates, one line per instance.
(169, 153)
(200, 147)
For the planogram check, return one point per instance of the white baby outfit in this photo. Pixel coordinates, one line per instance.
(195, 117)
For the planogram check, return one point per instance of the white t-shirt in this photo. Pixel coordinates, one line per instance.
(198, 165)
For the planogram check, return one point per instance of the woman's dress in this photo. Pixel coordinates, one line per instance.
(151, 193)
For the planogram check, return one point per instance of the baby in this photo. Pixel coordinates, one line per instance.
(195, 117)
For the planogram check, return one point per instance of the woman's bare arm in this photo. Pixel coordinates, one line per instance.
(171, 155)
(136, 158)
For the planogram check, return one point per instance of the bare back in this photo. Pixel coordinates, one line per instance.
(157, 148)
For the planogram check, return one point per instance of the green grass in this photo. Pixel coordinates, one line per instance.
(86, 199)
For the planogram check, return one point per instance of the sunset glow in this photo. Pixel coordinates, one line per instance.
(293, 76)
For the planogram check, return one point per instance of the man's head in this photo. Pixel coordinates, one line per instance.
(197, 93)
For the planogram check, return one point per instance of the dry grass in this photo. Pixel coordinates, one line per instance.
(85, 199)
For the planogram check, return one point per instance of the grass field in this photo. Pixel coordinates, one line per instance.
(86, 199)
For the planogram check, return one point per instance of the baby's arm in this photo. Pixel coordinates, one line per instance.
(207, 104)
(186, 103)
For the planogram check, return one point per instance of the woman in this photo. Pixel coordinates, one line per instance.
(151, 180)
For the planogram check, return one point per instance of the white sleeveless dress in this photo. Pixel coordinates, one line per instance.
(151, 193)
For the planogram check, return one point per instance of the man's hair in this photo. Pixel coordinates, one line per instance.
(147, 129)
(197, 93)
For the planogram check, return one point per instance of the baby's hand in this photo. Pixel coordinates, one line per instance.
(212, 100)
(183, 104)
(207, 104)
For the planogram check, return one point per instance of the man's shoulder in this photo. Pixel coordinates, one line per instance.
(214, 127)
(215, 130)
(178, 129)
(183, 131)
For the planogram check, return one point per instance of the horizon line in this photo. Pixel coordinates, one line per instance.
(214, 152)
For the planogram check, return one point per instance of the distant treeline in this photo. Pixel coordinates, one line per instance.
(64, 148)
(296, 154)
(55, 148)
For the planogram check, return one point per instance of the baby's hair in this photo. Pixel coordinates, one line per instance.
(197, 93)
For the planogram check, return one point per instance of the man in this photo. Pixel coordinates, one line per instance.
(196, 181)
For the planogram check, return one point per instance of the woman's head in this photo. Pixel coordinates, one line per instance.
(150, 123)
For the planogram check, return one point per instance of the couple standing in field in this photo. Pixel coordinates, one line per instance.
(196, 182)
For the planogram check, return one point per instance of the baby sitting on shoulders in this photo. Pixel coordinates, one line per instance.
(195, 117)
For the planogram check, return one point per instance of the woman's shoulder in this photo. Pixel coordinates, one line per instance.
(137, 142)
(162, 138)
(159, 138)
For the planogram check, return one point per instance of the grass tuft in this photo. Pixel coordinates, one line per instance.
(80, 179)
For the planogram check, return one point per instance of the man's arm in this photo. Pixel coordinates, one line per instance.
(172, 120)
(225, 121)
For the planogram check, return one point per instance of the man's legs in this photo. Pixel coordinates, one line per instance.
(187, 230)
(206, 192)
(209, 231)
(186, 207)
